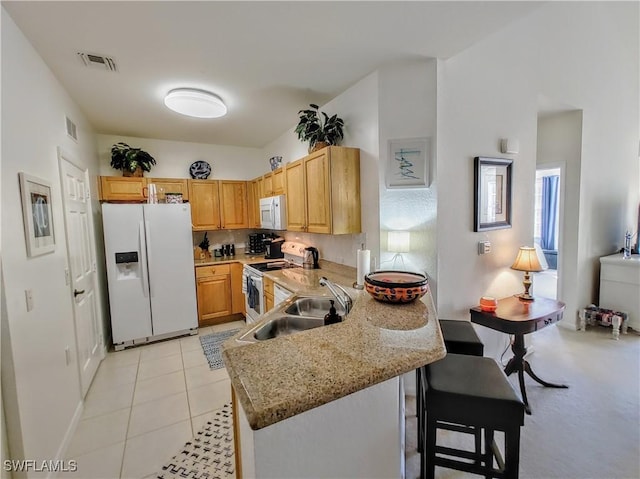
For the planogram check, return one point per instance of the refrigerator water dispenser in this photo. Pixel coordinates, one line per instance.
(127, 265)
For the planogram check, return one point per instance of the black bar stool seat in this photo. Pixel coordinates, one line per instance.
(466, 394)
(460, 337)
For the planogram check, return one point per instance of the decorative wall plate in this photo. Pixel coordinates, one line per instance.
(200, 170)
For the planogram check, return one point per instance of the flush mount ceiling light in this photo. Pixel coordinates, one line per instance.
(196, 103)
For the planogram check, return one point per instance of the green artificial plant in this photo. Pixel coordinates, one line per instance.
(318, 129)
(128, 159)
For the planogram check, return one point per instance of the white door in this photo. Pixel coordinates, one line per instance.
(80, 251)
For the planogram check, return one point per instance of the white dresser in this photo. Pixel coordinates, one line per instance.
(620, 286)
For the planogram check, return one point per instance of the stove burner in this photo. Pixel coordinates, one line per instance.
(273, 265)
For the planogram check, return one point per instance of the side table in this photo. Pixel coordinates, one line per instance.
(519, 317)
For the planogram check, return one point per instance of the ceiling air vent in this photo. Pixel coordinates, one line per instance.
(100, 62)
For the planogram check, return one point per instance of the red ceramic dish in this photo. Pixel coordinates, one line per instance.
(396, 286)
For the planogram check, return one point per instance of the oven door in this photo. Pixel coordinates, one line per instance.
(253, 296)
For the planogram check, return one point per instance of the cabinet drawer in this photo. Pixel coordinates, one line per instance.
(621, 273)
(206, 271)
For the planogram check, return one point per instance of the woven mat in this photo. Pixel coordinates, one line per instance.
(211, 346)
(209, 455)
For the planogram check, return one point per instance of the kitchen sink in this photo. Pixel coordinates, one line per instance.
(302, 314)
(314, 307)
(285, 325)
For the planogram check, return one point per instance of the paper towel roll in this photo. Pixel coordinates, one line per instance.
(363, 264)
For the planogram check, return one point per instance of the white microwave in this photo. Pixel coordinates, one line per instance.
(273, 212)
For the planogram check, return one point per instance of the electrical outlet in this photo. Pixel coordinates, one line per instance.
(484, 247)
(29, 297)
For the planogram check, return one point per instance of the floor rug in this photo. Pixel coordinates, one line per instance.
(209, 455)
(211, 346)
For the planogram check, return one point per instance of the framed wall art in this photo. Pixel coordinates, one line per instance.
(37, 215)
(408, 163)
(492, 193)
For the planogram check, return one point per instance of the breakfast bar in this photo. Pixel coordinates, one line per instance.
(339, 382)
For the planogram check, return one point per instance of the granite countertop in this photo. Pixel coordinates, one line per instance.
(285, 376)
(240, 257)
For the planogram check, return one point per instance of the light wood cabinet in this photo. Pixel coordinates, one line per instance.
(205, 207)
(233, 204)
(267, 184)
(213, 289)
(136, 189)
(237, 296)
(260, 189)
(278, 182)
(122, 188)
(253, 204)
(273, 183)
(269, 302)
(218, 204)
(168, 185)
(323, 192)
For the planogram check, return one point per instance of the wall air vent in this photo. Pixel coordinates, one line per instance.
(72, 131)
(101, 62)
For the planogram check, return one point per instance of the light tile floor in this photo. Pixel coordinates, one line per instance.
(144, 404)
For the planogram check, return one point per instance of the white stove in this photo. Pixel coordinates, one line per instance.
(252, 286)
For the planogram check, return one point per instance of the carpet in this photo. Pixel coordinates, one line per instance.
(211, 346)
(209, 455)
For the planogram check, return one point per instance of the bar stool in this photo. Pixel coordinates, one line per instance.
(469, 394)
(460, 338)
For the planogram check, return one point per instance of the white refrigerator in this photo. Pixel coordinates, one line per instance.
(150, 271)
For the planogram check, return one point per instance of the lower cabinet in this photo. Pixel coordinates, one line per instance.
(235, 411)
(219, 291)
(213, 286)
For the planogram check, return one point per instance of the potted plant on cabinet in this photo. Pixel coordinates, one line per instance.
(319, 131)
(132, 161)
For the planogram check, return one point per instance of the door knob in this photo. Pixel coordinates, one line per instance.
(77, 293)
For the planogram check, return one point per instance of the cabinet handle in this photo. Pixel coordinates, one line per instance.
(77, 293)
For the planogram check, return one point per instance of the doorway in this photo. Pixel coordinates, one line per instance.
(547, 229)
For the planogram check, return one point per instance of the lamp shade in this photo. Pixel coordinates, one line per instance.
(399, 241)
(196, 103)
(527, 260)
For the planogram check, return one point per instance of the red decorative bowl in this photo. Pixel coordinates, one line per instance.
(489, 304)
(396, 286)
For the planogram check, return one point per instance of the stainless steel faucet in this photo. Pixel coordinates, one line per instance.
(341, 296)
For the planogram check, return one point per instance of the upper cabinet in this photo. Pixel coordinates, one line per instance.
(273, 183)
(233, 204)
(218, 204)
(121, 188)
(205, 205)
(135, 189)
(253, 203)
(323, 192)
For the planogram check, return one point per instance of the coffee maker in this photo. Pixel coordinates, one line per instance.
(273, 247)
(255, 243)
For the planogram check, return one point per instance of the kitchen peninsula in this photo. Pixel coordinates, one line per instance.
(327, 402)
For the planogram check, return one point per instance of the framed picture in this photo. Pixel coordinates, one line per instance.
(408, 163)
(492, 202)
(37, 215)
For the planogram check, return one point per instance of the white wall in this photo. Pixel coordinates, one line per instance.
(580, 53)
(41, 392)
(174, 158)
(408, 110)
(358, 107)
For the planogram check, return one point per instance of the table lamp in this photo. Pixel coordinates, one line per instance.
(398, 242)
(527, 261)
